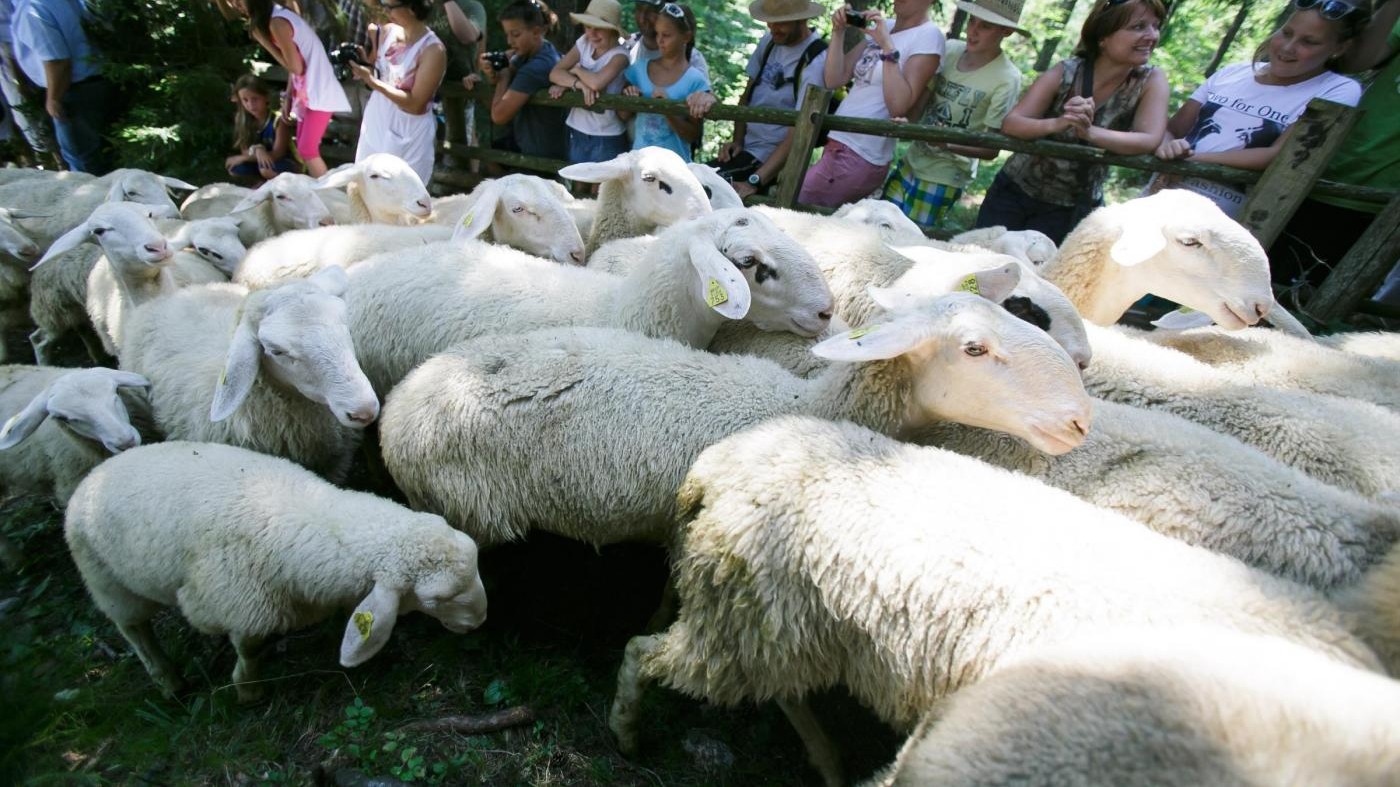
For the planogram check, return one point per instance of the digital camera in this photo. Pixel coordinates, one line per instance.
(499, 61)
(856, 19)
(341, 57)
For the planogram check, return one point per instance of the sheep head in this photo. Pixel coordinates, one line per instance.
(84, 403)
(292, 201)
(215, 240)
(126, 234)
(885, 217)
(527, 213)
(656, 186)
(140, 186)
(391, 191)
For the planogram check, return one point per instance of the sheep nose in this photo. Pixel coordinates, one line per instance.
(1261, 309)
(159, 250)
(1080, 425)
(364, 416)
(824, 316)
(1082, 365)
(424, 204)
(576, 256)
(328, 221)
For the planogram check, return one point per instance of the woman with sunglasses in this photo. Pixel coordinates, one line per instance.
(1107, 96)
(313, 92)
(889, 71)
(1243, 113)
(670, 76)
(409, 62)
(535, 130)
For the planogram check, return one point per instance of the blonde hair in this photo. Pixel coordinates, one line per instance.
(247, 129)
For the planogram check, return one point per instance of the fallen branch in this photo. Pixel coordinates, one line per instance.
(474, 725)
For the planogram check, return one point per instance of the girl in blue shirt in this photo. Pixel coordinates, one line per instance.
(669, 76)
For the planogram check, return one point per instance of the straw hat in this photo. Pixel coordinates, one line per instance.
(784, 10)
(1006, 13)
(601, 13)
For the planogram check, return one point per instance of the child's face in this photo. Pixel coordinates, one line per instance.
(252, 102)
(669, 38)
(984, 37)
(521, 37)
(599, 37)
(1302, 47)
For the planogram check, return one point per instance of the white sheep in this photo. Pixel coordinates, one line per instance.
(1029, 246)
(60, 423)
(585, 432)
(12, 174)
(273, 370)
(522, 211)
(718, 190)
(215, 240)
(249, 546)
(17, 252)
(382, 189)
(641, 191)
(66, 203)
(1174, 708)
(812, 553)
(894, 227)
(733, 264)
(300, 253)
(1205, 488)
(285, 203)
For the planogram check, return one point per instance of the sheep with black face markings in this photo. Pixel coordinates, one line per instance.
(641, 191)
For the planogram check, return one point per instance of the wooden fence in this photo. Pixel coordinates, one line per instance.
(1275, 194)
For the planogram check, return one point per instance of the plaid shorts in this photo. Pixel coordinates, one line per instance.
(921, 200)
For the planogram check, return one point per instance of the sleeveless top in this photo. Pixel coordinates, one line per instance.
(315, 88)
(1059, 181)
(385, 128)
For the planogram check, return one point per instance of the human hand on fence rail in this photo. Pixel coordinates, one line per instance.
(556, 91)
(700, 103)
(471, 80)
(631, 90)
(730, 149)
(1173, 149)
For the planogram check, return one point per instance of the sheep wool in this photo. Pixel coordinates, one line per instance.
(300, 253)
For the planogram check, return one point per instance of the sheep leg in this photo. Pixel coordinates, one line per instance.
(820, 751)
(622, 719)
(665, 609)
(40, 341)
(245, 673)
(143, 640)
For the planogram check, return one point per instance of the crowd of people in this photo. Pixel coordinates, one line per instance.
(1107, 95)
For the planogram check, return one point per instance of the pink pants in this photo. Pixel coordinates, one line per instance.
(840, 176)
(310, 128)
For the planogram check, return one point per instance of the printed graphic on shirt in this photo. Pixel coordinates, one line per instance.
(954, 104)
(867, 66)
(1238, 129)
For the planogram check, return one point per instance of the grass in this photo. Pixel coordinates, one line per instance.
(80, 709)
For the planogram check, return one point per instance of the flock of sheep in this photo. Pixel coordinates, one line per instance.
(1051, 549)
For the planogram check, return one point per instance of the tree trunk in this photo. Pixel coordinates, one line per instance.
(1047, 49)
(959, 19)
(1230, 34)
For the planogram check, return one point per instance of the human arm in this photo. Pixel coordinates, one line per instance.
(768, 171)
(1149, 122)
(687, 127)
(1174, 145)
(1375, 45)
(432, 64)
(282, 46)
(1027, 120)
(59, 75)
(840, 65)
(902, 83)
(594, 83)
(464, 29)
(560, 74)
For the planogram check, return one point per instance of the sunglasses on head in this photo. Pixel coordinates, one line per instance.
(676, 12)
(1329, 9)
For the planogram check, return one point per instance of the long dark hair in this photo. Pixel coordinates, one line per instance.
(260, 15)
(532, 13)
(686, 23)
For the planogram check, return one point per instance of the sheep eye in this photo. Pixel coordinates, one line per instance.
(747, 262)
(741, 223)
(664, 186)
(63, 419)
(276, 351)
(517, 209)
(283, 197)
(709, 193)
(375, 177)
(1190, 242)
(885, 225)
(975, 350)
(99, 231)
(648, 178)
(210, 253)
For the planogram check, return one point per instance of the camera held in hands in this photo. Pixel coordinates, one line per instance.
(499, 61)
(341, 57)
(856, 19)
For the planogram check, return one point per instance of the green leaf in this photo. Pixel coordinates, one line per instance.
(495, 692)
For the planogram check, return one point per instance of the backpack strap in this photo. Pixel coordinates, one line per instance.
(809, 54)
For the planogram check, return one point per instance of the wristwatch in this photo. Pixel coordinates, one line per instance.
(890, 57)
(755, 180)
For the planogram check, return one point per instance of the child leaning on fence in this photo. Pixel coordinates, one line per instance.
(1244, 112)
(670, 76)
(594, 66)
(535, 130)
(975, 87)
(263, 140)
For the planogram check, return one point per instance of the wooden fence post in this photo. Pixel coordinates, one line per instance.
(1286, 183)
(1362, 269)
(810, 116)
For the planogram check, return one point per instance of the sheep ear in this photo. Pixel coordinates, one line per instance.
(240, 372)
(724, 286)
(1182, 319)
(176, 183)
(872, 343)
(1142, 236)
(480, 214)
(369, 626)
(259, 196)
(128, 379)
(1284, 320)
(331, 280)
(181, 238)
(66, 242)
(994, 284)
(23, 423)
(598, 171)
(338, 177)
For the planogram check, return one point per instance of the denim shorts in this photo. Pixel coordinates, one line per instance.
(587, 147)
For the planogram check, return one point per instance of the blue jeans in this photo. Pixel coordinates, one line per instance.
(88, 107)
(1008, 206)
(587, 147)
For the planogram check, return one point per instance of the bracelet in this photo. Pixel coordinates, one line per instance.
(576, 81)
(890, 57)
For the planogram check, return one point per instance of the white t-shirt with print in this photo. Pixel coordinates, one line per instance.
(585, 120)
(774, 88)
(1238, 113)
(866, 98)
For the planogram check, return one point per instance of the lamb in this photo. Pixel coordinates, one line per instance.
(642, 190)
(894, 227)
(300, 253)
(284, 203)
(1176, 709)
(812, 553)
(272, 370)
(67, 204)
(61, 423)
(382, 189)
(1029, 246)
(732, 264)
(719, 191)
(521, 211)
(586, 432)
(251, 546)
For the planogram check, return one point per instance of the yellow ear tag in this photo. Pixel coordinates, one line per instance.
(1185, 310)
(969, 284)
(715, 294)
(467, 219)
(6, 428)
(859, 332)
(364, 621)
